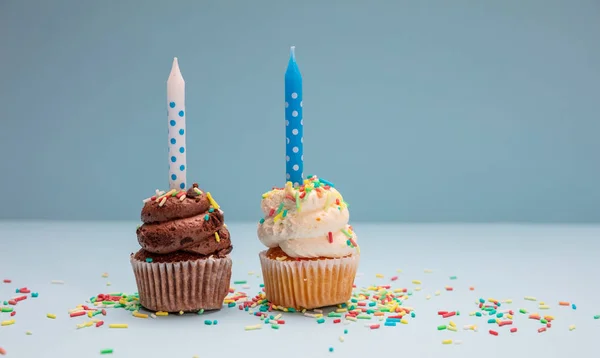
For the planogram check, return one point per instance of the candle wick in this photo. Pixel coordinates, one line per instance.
(293, 53)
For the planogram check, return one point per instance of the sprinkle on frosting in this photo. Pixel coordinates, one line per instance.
(212, 201)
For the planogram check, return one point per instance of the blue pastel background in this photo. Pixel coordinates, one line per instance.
(421, 111)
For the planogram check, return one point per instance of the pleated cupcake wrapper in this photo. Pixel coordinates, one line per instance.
(183, 286)
(308, 284)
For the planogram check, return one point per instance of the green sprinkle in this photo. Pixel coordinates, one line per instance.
(206, 217)
(331, 349)
(523, 311)
(345, 232)
(453, 277)
(492, 312)
(297, 197)
(499, 314)
(7, 309)
(5, 303)
(412, 314)
(148, 259)
(208, 322)
(280, 208)
(242, 282)
(363, 316)
(275, 326)
(108, 302)
(106, 351)
(34, 294)
(96, 313)
(321, 320)
(215, 322)
(93, 299)
(458, 313)
(284, 213)
(478, 314)
(354, 300)
(291, 309)
(201, 311)
(211, 210)
(118, 305)
(492, 320)
(231, 304)
(345, 331)
(597, 316)
(371, 304)
(441, 328)
(543, 321)
(261, 285)
(262, 221)
(334, 314)
(481, 300)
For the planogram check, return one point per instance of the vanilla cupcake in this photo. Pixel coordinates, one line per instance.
(312, 255)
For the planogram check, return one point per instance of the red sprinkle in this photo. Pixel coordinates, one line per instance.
(7, 281)
(103, 312)
(280, 321)
(493, 333)
(24, 290)
(543, 329)
(99, 323)
(449, 289)
(374, 326)
(13, 313)
(471, 288)
(513, 330)
(20, 298)
(77, 314)
(449, 314)
(394, 278)
(549, 325)
(271, 212)
(2, 351)
(504, 323)
(337, 320)
(330, 235)
(12, 302)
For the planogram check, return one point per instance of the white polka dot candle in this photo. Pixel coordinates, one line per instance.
(176, 117)
(294, 151)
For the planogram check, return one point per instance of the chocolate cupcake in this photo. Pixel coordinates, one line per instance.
(184, 262)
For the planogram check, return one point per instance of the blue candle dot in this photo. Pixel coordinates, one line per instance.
(173, 159)
(182, 185)
(182, 167)
(181, 131)
(181, 150)
(173, 141)
(172, 104)
(173, 177)
(172, 122)
(180, 113)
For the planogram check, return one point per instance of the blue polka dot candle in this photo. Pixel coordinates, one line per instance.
(176, 117)
(294, 151)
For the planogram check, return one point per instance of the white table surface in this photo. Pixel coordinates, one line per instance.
(551, 263)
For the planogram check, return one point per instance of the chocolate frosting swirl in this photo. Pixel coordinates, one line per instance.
(190, 225)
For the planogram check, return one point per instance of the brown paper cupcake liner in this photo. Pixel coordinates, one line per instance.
(183, 286)
(308, 284)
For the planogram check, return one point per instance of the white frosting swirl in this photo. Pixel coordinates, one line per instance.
(315, 226)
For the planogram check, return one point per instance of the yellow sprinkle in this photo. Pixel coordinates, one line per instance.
(350, 318)
(509, 316)
(544, 307)
(29, 333)
(542, 303)
(254, 327)
(8, 322)
(318, 315)
(278, 316)
(341, 338)
(452, 324)
(89, 314)
(428, 297)
(437, 293)
(418, 288)
(180, 313)
(472, 313)
(340, 310)
(447, 341)
(571, 327)
(217, 237)
(212, 201)
(428, 271)
(529, 298)
(399, 271)
(282, 258)
(163, 201)
(50, 315)
(549, 318)
(88, 323)
(507, 301)
(403, 321)
(278, 216)
(379, 275)
(140, 315)
(118, 325)
(453, 329)
(416, 282)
